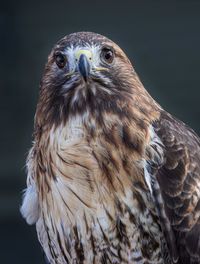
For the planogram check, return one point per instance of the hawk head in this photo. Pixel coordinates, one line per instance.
(87, 72)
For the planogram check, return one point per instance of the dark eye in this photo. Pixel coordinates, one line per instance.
(107, 55)
(60, 60)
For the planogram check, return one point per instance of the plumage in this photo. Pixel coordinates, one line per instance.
(112, 177)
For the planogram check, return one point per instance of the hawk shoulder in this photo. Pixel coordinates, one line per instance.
(177, 181)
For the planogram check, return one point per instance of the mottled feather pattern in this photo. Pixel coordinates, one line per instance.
(178, 179)
(115, 179)
(90, 175)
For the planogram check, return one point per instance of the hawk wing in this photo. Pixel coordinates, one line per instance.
(176, 188)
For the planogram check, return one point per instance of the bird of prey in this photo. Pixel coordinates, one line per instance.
(112, 177)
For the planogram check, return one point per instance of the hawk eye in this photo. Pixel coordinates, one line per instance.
(107, 55)
(60, 60)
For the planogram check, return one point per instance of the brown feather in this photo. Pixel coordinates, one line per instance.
(114, 178)
(178, 179)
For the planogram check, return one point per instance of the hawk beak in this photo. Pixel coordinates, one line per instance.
(83, 58)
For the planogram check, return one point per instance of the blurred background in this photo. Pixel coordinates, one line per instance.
(161, 38)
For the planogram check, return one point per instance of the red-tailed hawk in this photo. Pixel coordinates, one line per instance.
(112, 177)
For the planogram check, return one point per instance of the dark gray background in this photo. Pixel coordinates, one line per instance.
(162, 39)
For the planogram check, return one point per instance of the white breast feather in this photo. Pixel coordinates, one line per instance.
(30, 207)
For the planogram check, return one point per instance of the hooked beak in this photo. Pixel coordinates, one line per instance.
(83, 58)
(83, 66)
